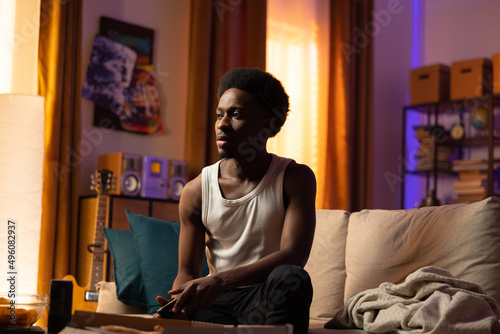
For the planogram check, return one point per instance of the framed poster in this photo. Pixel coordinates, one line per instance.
(109, 74)
(140, 110)
(137, 38)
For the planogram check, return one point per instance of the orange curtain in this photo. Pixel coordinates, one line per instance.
(298, 54)
(224, 34)
(347, 182)
(59, 59)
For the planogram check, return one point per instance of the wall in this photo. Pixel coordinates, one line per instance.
(170, 21)
(392, 59)
(448, 31)
(457, 30)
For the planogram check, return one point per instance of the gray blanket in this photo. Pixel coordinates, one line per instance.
(430, 300)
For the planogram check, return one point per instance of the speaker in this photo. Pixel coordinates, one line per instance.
(177, 179)
(127, 170)
(154, 177)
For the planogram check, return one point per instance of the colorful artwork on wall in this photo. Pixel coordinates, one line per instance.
(109, 74)
(134, 106)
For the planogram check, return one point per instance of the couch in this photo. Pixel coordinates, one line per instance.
(355, 252)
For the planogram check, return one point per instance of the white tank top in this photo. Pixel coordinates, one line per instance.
(243, 230)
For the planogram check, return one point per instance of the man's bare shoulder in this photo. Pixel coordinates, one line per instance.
(299, 180)
(191, 195)
(298, 173)
(193, 186)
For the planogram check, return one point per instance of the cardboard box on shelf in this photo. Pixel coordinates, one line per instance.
(429, 84)
(470, 78)
(88, 322)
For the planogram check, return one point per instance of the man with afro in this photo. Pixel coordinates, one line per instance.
(252, 213)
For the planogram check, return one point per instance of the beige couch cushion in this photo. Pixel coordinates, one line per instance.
(387, 245)
(326, 264)
(109, 303)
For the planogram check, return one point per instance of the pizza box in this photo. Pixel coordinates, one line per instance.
(84, 322)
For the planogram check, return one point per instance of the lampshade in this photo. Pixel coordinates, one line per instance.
(21, 181)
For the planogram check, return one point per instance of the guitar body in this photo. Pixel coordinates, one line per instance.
(79, 302)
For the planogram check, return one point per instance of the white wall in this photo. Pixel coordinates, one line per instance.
(450, 30)
(170, 21)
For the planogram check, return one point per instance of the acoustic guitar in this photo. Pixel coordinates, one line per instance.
(85, 298)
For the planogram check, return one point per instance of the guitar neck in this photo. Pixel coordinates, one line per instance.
(97, 268)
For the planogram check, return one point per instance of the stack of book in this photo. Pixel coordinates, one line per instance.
(472, 182)
(430, 150)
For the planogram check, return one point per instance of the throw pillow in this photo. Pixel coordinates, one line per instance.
(126, 267)
(326, 264)
(157, 245)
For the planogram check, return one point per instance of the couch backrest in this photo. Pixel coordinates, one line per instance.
(388, 245)
(326, 264)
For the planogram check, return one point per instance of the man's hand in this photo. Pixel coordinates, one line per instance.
(182, 315)
(198, 294)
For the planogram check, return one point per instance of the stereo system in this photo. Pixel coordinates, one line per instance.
(154, 177)
(126, 170)
(177, 179)
(145, 176)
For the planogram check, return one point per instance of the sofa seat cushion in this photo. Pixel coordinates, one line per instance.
(388, 245)
(326, 264)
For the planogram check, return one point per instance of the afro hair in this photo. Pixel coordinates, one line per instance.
(264, 87)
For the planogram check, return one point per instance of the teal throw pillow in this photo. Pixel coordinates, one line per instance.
(126, 267)
(157, 244)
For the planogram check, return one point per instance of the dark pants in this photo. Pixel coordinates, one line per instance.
(285, 297)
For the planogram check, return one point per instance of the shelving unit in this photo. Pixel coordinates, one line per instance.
(432, 113)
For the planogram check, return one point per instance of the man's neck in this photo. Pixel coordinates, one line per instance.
(245, 169)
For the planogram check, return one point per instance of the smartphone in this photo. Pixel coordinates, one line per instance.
(166, 310)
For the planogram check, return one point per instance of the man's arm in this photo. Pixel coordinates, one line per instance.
(295, 244)
(192, 234)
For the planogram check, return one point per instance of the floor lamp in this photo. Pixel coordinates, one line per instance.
(21, 181)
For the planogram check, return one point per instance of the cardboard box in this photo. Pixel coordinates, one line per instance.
(429, 84)
(496, 73)
(471, 78)
(87, 322)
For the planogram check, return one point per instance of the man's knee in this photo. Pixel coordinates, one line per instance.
(290, 279)
(289, 273)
